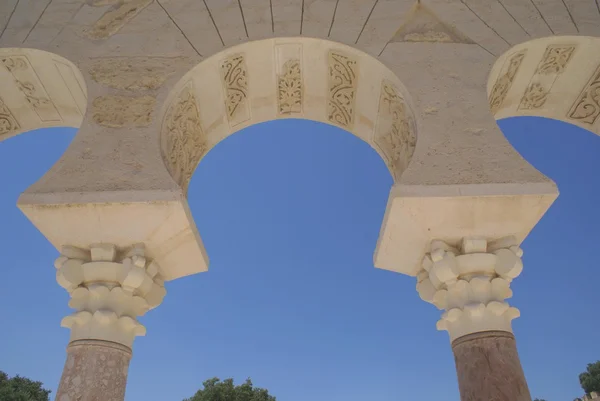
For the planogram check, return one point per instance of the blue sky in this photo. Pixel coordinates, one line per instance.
(289, 212)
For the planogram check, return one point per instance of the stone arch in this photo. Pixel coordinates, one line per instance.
(556, 77)
(39, 90)
(286, 78)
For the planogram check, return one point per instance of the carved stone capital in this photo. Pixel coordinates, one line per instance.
(471, 284)
(109, 289)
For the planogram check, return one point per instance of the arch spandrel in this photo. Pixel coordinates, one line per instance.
(287, 78)
(554, 77)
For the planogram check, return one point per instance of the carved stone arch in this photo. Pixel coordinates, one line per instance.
(39, 89)
(556, 77)
(280, 78)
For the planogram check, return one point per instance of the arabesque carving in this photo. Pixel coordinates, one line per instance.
(343, 72)
(123, 111)
(235, 80)
(134, 73)
(395, 134)
(587, 107)
(111, 22)
(30, 85)
(505, 80)
(553, 63)
(183, 141)
(289, 88)
(8, 122)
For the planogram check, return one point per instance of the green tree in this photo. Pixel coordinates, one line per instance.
(21, 389)
(539, 399)
(216, 390)
(590, 379)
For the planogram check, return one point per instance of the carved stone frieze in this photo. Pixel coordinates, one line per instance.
(31, 86)
(343, 74)
(395, 132)
(553, 63)
(234, 75)
(134, 73)
(123, 111)
(8, 122)
(115, 19)
(471, 284)
(109, 289)
(183, 140)
(587, 106)
(505, 80)
(289, 88)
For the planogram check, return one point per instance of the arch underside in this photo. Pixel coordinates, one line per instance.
(555, 77)
(287, 78)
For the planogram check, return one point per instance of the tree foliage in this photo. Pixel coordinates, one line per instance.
(539, 399)
(590, 379)
(21, 389)
(216, 390)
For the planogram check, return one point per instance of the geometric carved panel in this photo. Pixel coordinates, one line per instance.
(8, 122)
(552, 65)
(30, 85)
(395, 131)
(234, 76)
(505, 80)
(290, 90)
(343, 74)
(182, 141)
(587, 107)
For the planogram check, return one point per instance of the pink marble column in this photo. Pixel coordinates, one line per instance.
(488, 367)
(95, 371)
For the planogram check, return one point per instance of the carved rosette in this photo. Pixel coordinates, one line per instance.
(343, 72)
(505, 80)
(471, 284)
(289, 88)
(109, 290)
(395, 133)
(183, 141)
(8, 122)
(234, 75)
(587, 106)
(553, 64)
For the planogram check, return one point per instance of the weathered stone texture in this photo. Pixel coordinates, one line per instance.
(488, 368)
(94, 371)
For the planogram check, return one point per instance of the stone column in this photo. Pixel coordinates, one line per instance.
(109, 289)
(471, 283)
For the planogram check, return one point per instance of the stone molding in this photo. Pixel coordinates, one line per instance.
(471, 284)
(109, 289)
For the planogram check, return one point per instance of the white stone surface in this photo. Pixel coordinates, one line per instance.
(109, 288)
(471, 284)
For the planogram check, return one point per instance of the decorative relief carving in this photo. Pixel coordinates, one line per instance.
(587, 107)
(395, 133)
(135, 73)
(343, 72)
(30, 85)
(122, 111)
(553, 64)
(234, 75)
(183, 141)
(8, 122)
(505, 80)
(111, 22)
(289, 88)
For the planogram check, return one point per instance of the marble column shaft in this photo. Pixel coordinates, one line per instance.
(95, 370)
(488, 367)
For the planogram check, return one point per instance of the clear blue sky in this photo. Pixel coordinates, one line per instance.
(290, 212)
